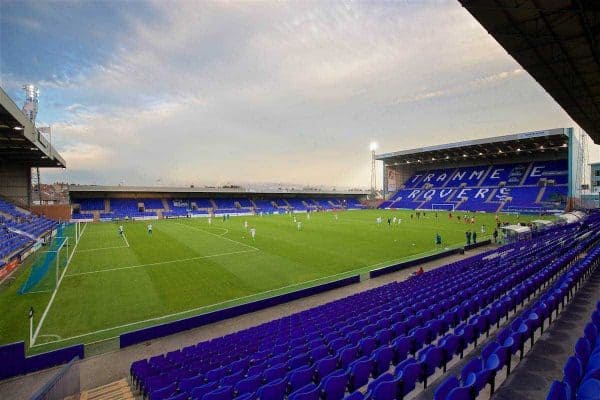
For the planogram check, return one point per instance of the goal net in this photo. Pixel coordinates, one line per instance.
(48, 264)
(443, 207)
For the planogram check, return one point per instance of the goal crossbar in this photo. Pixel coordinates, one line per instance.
(443, 206)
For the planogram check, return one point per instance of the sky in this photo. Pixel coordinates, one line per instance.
(213, 93)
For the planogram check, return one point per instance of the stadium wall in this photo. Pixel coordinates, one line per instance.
(15, 184)
(14, 362)
(153, 332)
(57, 212)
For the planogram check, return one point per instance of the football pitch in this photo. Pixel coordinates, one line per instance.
(114, 284)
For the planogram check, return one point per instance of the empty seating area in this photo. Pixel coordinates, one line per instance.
(581, 378)
(521, 187)
(501, 352)
(126, 208)
(385, 342)
(19, 229)
(91, 204)
(130, 208)
(265, 205)
(11, 242)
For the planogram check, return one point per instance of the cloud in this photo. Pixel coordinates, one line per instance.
(283, 91)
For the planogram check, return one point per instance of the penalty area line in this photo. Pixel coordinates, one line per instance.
(163, 262)
(162, 317)
(109, 247)
(214, 234)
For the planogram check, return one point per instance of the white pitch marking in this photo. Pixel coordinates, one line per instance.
(125, 238)
(191, 310)
(349, 273)
(49, 335)
(102, 248)
(37, 330)
(108, 248)
(214, 234)
(162, 262)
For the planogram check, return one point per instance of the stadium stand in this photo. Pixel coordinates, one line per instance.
(129, 207)
(91, 205)
(126, 208)
(523, 187)
(19, 229)
(265, 206)
(382, 341)
(152, 204)
(581, 378)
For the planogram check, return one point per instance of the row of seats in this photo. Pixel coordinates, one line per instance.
(515, 174)
(490, 199)
(486, 188)
(581, 379)
(120, 208)
(10, 242)
(338, 342)
(481, 371)
(19, 228)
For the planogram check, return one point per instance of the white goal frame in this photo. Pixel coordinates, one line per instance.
(435, 208)
(63, 246)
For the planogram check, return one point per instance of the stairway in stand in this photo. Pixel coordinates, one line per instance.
(119, 390)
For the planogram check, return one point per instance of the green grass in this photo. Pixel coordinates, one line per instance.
(188, 267)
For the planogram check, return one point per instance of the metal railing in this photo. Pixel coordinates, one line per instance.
(65, 383)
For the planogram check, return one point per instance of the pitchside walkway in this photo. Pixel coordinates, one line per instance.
(109, 367)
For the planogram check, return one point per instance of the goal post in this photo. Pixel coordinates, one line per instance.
(77, 231)
(443, 207)
(45, 270)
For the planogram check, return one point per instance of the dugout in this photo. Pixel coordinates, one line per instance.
(542, 224)
(515, 233)
(572, 217)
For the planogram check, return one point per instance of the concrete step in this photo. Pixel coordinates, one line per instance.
(119, 390)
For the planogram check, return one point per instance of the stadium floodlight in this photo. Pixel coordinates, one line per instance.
(518, 149)
(373, 147)
(18, 128)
